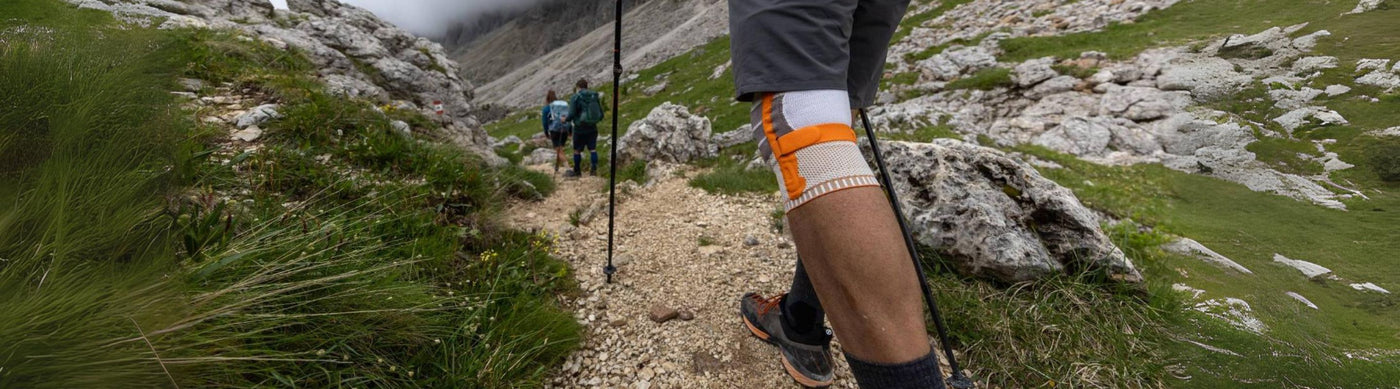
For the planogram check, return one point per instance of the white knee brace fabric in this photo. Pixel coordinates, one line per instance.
(809, 134)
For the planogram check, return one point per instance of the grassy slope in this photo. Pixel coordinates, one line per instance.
(378, 263)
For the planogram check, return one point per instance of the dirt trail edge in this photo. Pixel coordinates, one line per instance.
(678, 248)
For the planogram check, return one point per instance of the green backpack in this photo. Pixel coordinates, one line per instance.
(590, 106)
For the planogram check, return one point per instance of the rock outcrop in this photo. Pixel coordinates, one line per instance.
(355, 52)
(670, 133)
(995, 217)
(1153, 108)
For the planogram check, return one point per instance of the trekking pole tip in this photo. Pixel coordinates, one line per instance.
(609, 270)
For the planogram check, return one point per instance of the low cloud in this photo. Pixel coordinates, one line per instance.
(433, 17)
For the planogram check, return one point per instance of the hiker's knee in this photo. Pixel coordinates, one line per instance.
(809, 136)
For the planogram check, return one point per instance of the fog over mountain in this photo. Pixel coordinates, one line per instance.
(432, 18)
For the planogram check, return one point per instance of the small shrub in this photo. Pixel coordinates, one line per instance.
(1384, 157)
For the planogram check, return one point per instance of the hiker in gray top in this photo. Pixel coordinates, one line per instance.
(806, 64)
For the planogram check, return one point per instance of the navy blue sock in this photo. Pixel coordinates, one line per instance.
(578, 158)
(919, 373)
(593, 158)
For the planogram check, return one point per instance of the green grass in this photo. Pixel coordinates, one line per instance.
(919, 19)
(729, 173)
(1250, 227)
(134, 252)
(1183, 23)
(985, 79)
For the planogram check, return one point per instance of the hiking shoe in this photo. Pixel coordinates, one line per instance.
(809, 364)
(570, 174)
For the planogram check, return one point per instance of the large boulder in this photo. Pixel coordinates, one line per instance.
(1141, 103)
(995, 217)
(670, 133)
(1206, 78)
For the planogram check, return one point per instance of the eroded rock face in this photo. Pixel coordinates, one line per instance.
(344, 42)
(996, 217)
(670, 133)
(1204, 77)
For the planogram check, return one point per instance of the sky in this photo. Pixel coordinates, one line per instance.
(428, 17)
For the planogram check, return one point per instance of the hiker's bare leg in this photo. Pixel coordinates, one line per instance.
(856, 257)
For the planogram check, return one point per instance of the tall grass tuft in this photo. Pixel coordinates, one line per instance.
(90, 149)
(134, 254)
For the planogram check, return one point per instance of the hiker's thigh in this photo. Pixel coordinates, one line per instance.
(789, 45)
(874, 24)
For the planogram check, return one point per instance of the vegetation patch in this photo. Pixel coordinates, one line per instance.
(337, 253)
(1384, 156)
(985, 79)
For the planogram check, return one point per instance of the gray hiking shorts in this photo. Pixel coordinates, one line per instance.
(797, 45)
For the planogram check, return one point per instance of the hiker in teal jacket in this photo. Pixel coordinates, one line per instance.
(554, 117)
(585, 112)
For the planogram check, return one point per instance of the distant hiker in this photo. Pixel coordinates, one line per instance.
(806, 64)
(555, 116)
(585, 111)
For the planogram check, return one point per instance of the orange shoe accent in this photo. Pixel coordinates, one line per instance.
(803, 380)
(756, 332)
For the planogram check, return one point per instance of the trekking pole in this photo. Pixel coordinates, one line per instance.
(958, 380)
(612, 162)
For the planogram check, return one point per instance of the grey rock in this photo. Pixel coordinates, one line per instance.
(1141, 104)
(670, 133)
(257, 116)
(252, 133)
(403, 129)
(191, 84)
(1337, 90)
(751, 241)
(1055, 85)
(509, 141)
(1255, 46)
(1311, 64)
(1371, 64)
(654, 89)
(543, 156)
(997, 218)
(733, 138)
(1032, 72)
(1078, 136)
(957, 61)
(1205, 77)
(1293, 99)
(1298, 117)
(1365, 6)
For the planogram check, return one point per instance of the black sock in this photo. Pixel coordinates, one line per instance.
(578, 159)
(920, 373)
(803, 316)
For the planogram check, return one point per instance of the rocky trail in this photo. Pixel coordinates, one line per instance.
(684, 256)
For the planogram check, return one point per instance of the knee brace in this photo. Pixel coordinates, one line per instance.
(810, 136)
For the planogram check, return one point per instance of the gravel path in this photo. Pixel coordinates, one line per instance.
(661, 261)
